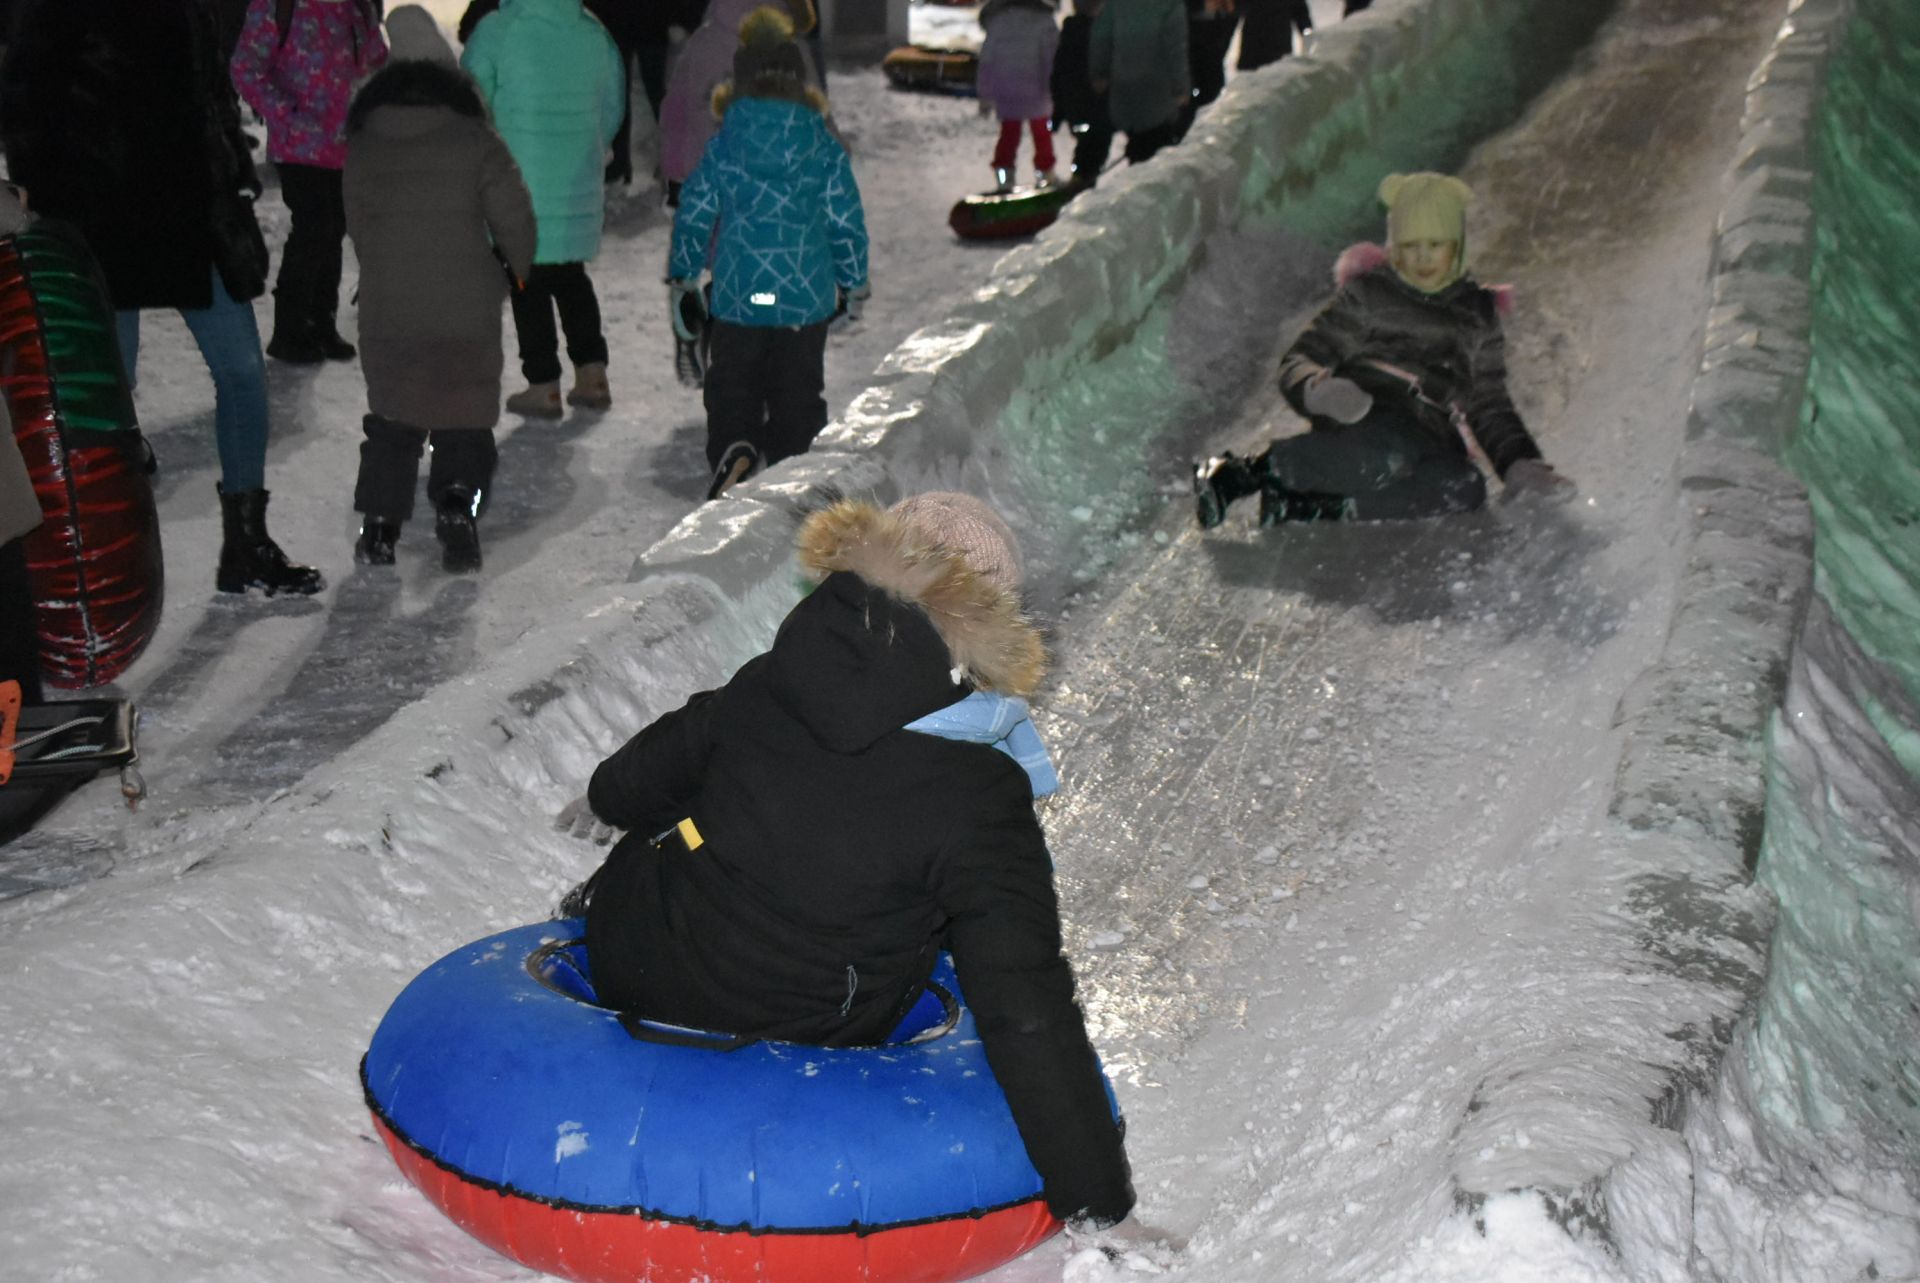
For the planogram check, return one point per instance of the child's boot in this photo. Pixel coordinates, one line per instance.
(1217, 482)
(537, 401)
(1002, 180)
(590, 390)
(1278, 504)
(1046, 178)
(456, 524)
(374, 547)
(740, 461)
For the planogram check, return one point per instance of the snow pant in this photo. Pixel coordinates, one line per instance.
(564, 286)
(390, 466)
(1388, 464)
(1008, 148)
(1208, 38)
(19, 633)
(229, 340)
(766, 386)
(1353, 7)
(1143, 143)
(651, 55)
(306, 295)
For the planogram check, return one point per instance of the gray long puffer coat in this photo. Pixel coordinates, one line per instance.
(431, 192)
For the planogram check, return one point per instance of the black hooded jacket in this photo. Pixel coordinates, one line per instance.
(838, 853)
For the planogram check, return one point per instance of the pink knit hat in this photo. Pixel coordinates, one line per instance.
(963, 524)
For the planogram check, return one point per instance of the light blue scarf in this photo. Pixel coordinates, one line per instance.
(999, 720)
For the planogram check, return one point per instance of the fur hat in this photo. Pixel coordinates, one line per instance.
(963, 524)
(767, 49)
(413, 35)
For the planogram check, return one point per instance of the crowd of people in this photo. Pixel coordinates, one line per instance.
(469, 181)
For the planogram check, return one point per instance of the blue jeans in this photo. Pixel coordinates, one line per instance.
(229, 340)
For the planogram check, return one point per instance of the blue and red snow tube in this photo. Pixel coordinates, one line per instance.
(596, 1147)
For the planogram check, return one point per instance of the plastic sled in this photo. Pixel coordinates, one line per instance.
(49, 750)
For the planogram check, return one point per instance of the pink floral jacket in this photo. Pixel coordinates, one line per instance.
(302, 86)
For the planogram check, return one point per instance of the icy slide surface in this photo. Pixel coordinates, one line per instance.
(1357, 935)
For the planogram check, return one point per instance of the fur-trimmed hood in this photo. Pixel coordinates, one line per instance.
(987, 634)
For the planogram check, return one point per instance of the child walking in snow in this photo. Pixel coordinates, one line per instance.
(1401, 376)
(552, 77)
(431, 194)
(298, 63)
(773, 209)
(1013, 80)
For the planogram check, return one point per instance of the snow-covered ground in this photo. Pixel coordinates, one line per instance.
(1346, 904)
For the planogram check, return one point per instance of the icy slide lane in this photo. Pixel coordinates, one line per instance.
(1353, 923)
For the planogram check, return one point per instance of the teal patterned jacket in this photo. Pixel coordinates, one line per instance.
(773, 209)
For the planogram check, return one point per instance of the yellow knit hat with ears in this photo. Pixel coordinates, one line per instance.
(1427, 207)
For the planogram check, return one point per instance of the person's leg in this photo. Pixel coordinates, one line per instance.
(586, 340)
(19, 632)
(1353, 7)
(1211, 40)
(1143, 143)
(463, 464)
(573, 294)
(1006, 150)
(734, 392)
(1265, 36)
(458, 482)
(229, 340)
(1091, 149)
(1043, 157)
(1388, 466)
(795, 373)
(329, 236)
(651, 55)
(620, 164)
(389, 469)
(302, 266)
(539, 346)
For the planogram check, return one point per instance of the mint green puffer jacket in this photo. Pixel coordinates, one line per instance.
(551, 75)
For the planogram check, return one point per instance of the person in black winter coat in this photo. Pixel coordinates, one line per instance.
(1267, 35)
(118, 117)
(801, 845)
(1403, 377)
(1075, 101)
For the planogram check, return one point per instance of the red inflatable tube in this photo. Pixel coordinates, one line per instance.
(95, 562)
(618, 1247)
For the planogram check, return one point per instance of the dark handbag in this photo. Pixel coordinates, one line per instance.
(239, 248)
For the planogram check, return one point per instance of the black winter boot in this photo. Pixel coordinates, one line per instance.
(456, 523)
(374, 547)
(249, 558)
(1220, 480)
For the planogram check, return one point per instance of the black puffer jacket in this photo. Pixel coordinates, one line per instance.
(840, 852)
(1450, 342)
(119, 118)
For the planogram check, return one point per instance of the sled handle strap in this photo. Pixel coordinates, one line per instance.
(9, 723)
(641, 1030)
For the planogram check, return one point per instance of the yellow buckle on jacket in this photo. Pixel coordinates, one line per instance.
(689, 834)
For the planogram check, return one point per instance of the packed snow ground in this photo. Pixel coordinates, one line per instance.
(1333, 846)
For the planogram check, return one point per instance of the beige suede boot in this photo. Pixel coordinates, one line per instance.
(537, 401)
(590, 390)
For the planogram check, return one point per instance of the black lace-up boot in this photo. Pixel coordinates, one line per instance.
(249, 558)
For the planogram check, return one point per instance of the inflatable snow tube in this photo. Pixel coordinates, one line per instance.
(597, 1147)
(94, 564)
(1001, 215)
